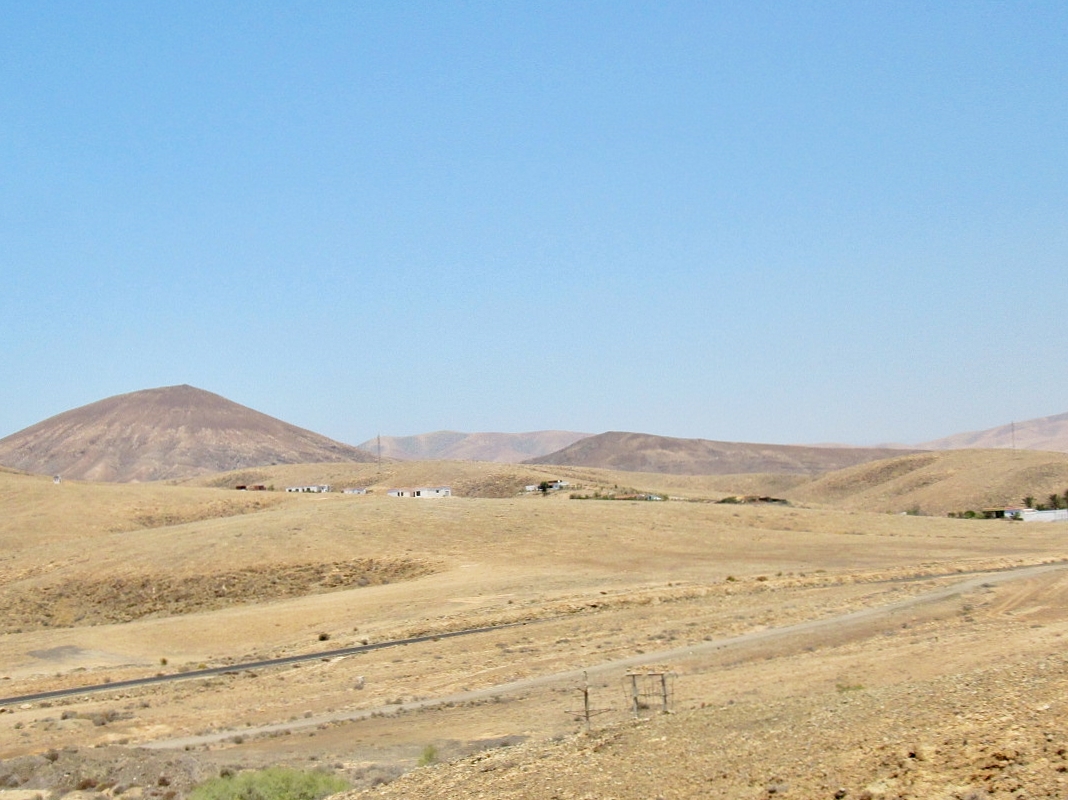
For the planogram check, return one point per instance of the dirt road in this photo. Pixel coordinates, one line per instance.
(839, 626)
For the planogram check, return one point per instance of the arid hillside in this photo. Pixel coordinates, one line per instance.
(929, 483)
(445, 645)
(1044, 433)
(465, 478)
(821, 648)
(507, 448)
(171, 432)
(641, 452)
(941, 482)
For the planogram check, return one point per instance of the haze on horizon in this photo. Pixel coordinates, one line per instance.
(793, 224)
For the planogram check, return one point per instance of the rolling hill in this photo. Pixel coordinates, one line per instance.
(165, 433)
(505, 448)
(790, 633)
(641, 452)
(940, 482)
(1044, 433)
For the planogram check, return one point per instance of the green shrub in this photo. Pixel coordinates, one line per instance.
(428, 756)
(275, 783)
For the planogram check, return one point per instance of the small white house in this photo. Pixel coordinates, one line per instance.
(1031, 515)
(551, 486)
(314, 488)
(422, 491)
(354, 491)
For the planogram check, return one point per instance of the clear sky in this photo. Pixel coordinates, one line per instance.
(788, 222)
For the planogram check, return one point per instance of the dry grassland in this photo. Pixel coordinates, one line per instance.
(814, 649)
(940, 482)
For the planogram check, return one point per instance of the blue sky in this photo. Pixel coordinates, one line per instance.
(756, 221)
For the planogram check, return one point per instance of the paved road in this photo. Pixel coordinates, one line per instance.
(836, 624)
(248, 665)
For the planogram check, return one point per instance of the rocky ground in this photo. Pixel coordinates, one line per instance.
(998, 732)
(963, 696)
(809, 653)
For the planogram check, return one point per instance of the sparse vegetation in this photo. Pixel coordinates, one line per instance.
(777, 561)
(428, 756)
(736, 499)
(121, 599)
(275, 783)
(1055, 503)
(626, 494)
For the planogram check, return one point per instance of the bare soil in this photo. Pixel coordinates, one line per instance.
(808, 652)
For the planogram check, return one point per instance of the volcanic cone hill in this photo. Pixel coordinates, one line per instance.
(642, 452)
(165, 433)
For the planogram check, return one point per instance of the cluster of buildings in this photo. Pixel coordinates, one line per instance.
(421, 491)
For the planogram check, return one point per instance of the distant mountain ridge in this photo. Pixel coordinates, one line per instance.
(648, 452)
(1043, 433)
(181, 432)
(170, 432)
(505, 448)
(642, 452)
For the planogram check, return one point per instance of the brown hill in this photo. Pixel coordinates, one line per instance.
(505, 448)
(931, 483)
(941, 482)
(1044, 433)
(640, 452)
(171, 432)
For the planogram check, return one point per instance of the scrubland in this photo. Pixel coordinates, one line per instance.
(815, 649)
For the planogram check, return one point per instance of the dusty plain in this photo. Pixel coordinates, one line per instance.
(809, 649)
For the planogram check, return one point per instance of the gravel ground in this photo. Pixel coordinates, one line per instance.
(998, 732)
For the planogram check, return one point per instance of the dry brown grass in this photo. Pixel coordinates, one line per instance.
(938, 483)
(594, 581)
(37, 512)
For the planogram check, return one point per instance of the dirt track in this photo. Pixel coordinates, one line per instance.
(838, 627)
(760, 613)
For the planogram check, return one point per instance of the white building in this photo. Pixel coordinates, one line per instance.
(315, 488)
(354, 491)
(551, 485)
(1030, 515)
(422, 491)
